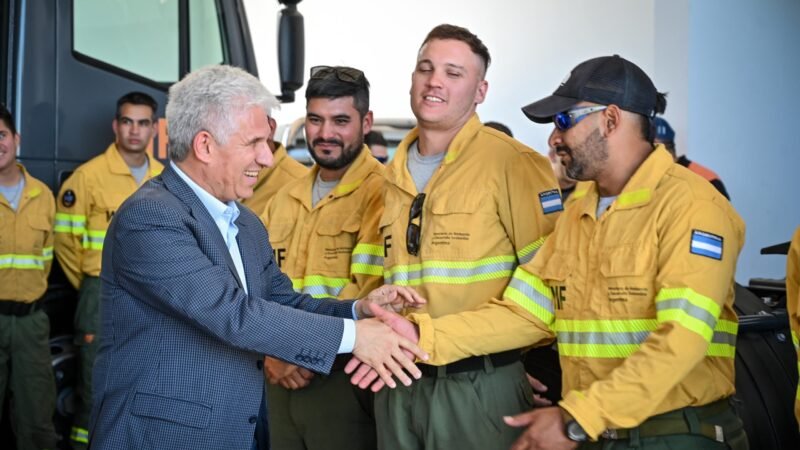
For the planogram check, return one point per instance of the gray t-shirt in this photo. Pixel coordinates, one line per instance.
(13, 193)
(320, 189)
(421, 167)
(140, 172)
(602, 205)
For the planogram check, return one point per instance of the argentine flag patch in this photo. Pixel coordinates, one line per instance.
(551, 201)
(706, 244)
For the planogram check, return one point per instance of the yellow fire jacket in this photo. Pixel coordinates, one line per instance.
(333, 249)
(86, 203)
(26, 242)
(270, 180)
(487, 208)
(641, 299)
(793, 303)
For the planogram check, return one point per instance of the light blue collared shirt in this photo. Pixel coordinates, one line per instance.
(224, 215)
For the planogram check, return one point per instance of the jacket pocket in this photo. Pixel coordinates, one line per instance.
(460, 228)
(627, 272)
(182, 412)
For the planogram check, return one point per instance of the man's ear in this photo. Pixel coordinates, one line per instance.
(612, 119)
(366, 122)
(202, 146)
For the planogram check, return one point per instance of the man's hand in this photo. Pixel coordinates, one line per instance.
(365, 375)
(385, 351)
(545, 430)
(538, 388)
(287, 375)
(390, 298)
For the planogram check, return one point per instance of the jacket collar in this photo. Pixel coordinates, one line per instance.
(118, 166)
(364, 165)
(398, 169)
(638, 191)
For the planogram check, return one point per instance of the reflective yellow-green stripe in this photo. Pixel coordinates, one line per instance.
(795, 341)
(70, 223)
(319, 286)
(93, 239)
(529, 251)
(532, 294)
(691, 310)
(617, 338)
(723, 342)
(25, 262)
(633, 198)
(80, 435)
(367, 259)
(451, 272)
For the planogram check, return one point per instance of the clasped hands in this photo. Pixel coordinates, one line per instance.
(385, 346)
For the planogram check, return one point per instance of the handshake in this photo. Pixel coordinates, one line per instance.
(385, 347)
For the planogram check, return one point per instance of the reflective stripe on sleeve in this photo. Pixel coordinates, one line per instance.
(691, 310)
(319, 286)
(367, 259)
(532, 294)
(93, 239)
(70, 223)
(451, 272)
(529, 251)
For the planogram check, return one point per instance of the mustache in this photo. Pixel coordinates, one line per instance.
(563, 149)
(318, 141)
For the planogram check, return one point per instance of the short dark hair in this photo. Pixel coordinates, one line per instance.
(330, 85)
(375, 138)
(500, 127)
(8, 119)
(136, 98)
(454, 32)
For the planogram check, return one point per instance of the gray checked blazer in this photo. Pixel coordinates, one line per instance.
(179, 363)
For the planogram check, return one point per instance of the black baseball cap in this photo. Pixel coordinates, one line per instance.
(605, 80)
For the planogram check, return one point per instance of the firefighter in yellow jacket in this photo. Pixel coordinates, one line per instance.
(271, 179)
(465, 204)
(27, 211)
(86, 203)
(323, 229)
(793, 303)
(636, 281)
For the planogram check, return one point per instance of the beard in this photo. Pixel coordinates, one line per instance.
(348, 155)
(584, 162)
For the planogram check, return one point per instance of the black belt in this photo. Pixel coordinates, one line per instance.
(471, 364)
(675, 422)
(18, 309)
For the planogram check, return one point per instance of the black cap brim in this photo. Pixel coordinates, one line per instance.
(544, 110)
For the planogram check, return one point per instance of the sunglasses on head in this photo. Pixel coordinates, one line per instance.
(346, 74)
(568, 119)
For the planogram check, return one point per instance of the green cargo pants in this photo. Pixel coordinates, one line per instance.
(87, 321)
(328, 414)
(26, 370)
(458, 411)
(720, 430)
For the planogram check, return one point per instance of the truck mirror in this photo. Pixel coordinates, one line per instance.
(291, 50)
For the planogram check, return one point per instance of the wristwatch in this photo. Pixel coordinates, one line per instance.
(575, 432)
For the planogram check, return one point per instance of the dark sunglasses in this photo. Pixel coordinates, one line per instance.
(346, 74)
(568, 119)
(414, 231)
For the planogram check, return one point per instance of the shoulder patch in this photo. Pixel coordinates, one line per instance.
(68, 198)
(551, 201)
(706, 244)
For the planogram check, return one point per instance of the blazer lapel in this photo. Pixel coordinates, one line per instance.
(249, 254)
(175, 184)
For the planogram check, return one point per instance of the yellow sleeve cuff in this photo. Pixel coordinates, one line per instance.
(426, 333)
(578, 406)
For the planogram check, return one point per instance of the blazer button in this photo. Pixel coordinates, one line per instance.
(260, 364)
(252, 419)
